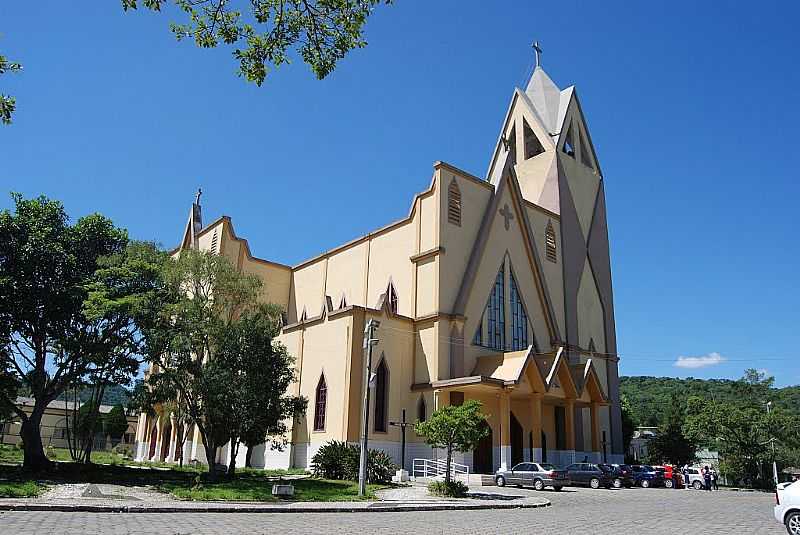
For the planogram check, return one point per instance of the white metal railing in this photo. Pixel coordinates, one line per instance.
(436, 468)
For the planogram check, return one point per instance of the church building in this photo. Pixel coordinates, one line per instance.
(494, 288)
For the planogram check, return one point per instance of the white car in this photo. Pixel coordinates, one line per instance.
(787, 506)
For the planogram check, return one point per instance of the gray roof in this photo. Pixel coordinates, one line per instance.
(59, 404)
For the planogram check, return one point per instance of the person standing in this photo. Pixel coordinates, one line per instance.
(686, 476)
(714, 478)
(707, 478)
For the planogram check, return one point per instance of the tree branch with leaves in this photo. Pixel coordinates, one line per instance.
(265, 33)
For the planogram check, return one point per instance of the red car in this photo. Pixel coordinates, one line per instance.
(673, 479)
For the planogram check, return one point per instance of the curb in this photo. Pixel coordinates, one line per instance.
(256, 509)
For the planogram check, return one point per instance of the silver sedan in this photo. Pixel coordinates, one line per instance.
(536, 475)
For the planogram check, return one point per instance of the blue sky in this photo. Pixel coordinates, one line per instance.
(692, 107)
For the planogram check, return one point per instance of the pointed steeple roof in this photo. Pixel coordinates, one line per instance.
(194, 225)
(545, 96)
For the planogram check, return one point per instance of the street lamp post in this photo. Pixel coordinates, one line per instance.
(772, 441)
(369, 342)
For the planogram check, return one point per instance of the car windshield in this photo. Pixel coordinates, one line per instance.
(520, 467)
(648, 468)
(636, 468)
(547, 467)
(605, 468)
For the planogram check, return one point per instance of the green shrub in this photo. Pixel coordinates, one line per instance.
(380, 467)
(339, 460)
(336, 460)
(125, 450)
(454, 489)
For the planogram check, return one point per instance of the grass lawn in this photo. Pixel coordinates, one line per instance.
(12, 455)
(20, 489)
(248, 489)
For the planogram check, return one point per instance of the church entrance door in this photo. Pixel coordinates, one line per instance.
(482, 462)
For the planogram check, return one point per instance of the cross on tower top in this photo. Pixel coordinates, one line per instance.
(197, 196)
(538, 51)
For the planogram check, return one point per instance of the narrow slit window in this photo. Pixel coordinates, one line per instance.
(511, 145)
(494, 315)
(454, 203)
(321, 404)
(422, 410)
(533, 147)
(391, 295)
(381, 396)
(215, 243)
(569, 145)
(519, 319)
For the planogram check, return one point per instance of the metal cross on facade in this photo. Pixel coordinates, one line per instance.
(538, 50)
(507, 215)
(402, 424)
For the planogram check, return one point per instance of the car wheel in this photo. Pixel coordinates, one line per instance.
(645, 483)
(501, 481)
(793, 523)
(558, 488)
(668, 483)
(594, 483)
(538, 484)
(697, 485)
(617, 483)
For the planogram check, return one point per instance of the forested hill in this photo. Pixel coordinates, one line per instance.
(649, 397)
(113, 395)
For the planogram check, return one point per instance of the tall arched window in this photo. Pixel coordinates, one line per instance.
(550, 242)
(321, 404)
(381, 396)
(422, 410)
(454, 203)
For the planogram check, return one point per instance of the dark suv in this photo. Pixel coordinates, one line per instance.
(590, 475)
(622, 475)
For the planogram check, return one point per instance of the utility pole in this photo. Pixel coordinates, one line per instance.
(369, 342)
(772, 441)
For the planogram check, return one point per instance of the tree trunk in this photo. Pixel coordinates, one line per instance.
(35, 460)
(449, 461)
(234, 453)
(248, 457)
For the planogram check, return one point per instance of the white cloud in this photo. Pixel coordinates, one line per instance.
(712, 359)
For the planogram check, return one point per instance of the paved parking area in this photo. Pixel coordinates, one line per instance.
(598, 512)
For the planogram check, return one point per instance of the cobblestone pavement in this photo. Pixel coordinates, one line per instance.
(573, 511)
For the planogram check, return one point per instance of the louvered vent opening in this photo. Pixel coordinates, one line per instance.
(215, 243)
(454, 204)
(550, 242)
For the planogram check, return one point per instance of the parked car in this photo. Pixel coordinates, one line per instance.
(787, 506)
(696, 480)
(536, 475)
(622, 476)
(590, 475)
(646, 476)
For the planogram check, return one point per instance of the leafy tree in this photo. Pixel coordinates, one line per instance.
(115, 423)
(69, 303)
(628, 423)
(741, 429)
(211, 346)
(8, 104)
(264, 371)
(454, 428)
(671, 444)
(321, 31)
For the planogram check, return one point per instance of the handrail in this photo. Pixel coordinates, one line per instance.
(436, 468)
